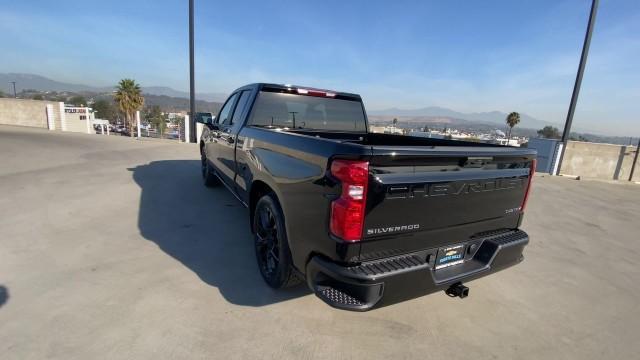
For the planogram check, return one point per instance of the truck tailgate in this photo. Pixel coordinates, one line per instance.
(426, 197)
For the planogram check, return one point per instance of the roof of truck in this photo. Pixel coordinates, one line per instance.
(290, 87)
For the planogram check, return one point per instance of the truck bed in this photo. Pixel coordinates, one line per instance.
(376, 139)
(427, 192)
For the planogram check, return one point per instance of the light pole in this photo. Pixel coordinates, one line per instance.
(14, 89)
(192, 86)
(635, 160)
(578, 83)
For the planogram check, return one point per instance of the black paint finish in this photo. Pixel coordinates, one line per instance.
(423, 193)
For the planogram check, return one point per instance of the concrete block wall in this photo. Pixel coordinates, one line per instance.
(627, 161)
(75, 125)
(25, 112)
(599, 161)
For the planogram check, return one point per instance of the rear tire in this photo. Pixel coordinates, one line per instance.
(272, 248)
(209, 178)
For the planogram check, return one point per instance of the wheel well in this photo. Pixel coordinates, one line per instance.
(258, 189)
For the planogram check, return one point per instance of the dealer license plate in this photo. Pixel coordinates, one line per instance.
(449, 256)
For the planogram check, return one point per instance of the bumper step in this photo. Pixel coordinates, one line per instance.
(337, 298)
(363, 286)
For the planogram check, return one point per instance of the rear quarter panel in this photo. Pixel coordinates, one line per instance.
(295, 167)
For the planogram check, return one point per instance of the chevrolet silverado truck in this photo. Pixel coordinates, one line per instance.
(365, 219)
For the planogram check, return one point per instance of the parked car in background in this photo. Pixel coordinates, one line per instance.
(172, 134)
(363, 219)
(128, 131)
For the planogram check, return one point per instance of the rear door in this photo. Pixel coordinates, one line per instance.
(424, 197)
(226, 145)
(217, 148)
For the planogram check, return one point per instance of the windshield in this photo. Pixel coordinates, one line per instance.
(308, 112)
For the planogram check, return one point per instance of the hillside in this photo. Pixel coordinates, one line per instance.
(492, 117)
(171, 100)
(166, 103)
(173, 104)
(41, 83)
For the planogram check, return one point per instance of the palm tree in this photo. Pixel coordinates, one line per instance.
(129, 98)
(512, 120)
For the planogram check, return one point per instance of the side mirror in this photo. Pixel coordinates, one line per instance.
(205, 118)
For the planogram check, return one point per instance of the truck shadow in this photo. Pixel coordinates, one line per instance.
(207, 230)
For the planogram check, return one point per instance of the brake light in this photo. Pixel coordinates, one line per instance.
(316, 93)
(526, 194)
(347, 212)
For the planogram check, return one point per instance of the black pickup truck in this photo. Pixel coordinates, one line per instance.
(365, 219)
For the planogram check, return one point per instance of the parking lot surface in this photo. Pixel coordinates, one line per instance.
(110, 247)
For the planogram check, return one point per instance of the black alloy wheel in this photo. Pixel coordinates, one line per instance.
(272, 250)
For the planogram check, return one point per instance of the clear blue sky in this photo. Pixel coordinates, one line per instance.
(465, 55)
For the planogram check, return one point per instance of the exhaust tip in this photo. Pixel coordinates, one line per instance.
(457, 290)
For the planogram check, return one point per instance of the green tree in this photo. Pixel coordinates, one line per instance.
(105, 109)
(38, 97)
(549, 132)
(129, 98)
(512, 120)
(578, 137)
(154, 116)
(2, 94)
(78, 100)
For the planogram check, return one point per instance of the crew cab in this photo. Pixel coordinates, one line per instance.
(364, 219)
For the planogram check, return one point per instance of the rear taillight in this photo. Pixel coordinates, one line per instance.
(532, 172)
(347, 212)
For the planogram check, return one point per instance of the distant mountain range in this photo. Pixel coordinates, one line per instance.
(492, 117)
(41, 83)
(175, 100)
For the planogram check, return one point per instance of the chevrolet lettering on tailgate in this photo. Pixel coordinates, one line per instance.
(452, 188)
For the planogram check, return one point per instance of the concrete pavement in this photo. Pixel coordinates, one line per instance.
(111, 248)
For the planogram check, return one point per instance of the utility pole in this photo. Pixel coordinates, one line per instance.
(578, 83)
(14, 89)
(192, 86)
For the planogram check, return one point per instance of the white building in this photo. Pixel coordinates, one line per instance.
(78, 119)
(504, 141)
(385, 130)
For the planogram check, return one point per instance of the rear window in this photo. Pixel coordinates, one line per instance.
(307, 112)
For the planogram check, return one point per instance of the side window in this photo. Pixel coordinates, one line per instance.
(242, 103)
(225, 113)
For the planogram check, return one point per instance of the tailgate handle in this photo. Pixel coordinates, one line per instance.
(476, 162)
